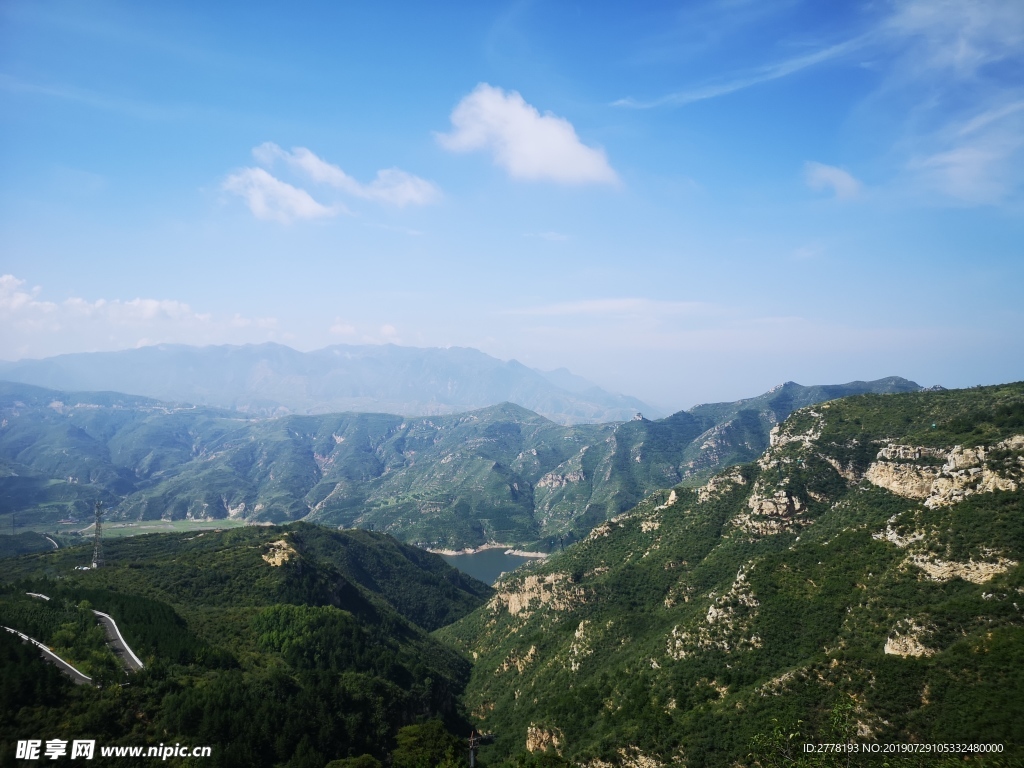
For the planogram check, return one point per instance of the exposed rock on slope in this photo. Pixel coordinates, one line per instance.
(502, 475)
(964, 471)
(778, 591)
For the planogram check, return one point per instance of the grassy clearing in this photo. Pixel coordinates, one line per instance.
(119, 529)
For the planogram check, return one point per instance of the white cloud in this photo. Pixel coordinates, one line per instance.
(339, 328)
(977, 162)
(955, 63)
(35, 327)
(957, 37)
(392, 185)
(821, 177)
(14, 300)
(741, 81)
(949, 89)
(527, 144)
(271, 198)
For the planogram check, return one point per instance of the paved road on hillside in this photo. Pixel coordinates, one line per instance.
(53, 658)
(115, 641)
(117, 644)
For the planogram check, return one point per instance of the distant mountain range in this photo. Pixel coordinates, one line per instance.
(274, 380)
(500, 474)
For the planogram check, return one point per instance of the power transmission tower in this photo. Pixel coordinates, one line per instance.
(97, 542)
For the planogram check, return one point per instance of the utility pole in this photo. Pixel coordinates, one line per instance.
(475, 740)
(97, 543)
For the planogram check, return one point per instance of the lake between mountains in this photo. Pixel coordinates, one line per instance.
(487, 564)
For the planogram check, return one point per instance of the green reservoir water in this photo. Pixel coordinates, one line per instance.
(486, 565)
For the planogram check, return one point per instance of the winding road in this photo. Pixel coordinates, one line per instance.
(53, 658)
(117, 644)
(115, 641)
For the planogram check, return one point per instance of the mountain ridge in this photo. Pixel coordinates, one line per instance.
(502, 474)
(273, 379)
(858, 583)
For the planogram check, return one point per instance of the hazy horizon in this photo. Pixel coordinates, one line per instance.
(681, 204)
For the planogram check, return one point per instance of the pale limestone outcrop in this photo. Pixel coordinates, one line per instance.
(973, 571)
(540, 739)
(281, 552)
(580, 647)
(514, 660)
(554, 479)
(602, 530)
(718, 485)
(633, 757)
(905, 640)
(770, 514)
(726, 625)
(893, 536)
(910, 452)
(566, 473)
(963, 473)
(951, 489)
(780, 504)
(848, 473)
(672, 498)
(779, 438)
(234, 512)
(904, 480)
(554, 590)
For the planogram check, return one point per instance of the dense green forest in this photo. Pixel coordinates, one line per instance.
(281, 646)
(500, 474)
(829, 574)
(861, 583)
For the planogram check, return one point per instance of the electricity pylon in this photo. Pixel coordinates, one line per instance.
(97, 543)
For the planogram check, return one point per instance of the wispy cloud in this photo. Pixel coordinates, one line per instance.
(392, 185)
(965, 143)
(742, 80)
(131, 107)
(956, 64)
(270, 198)
(947, 85)
(821, 177)
(527, 144)
(36, 326)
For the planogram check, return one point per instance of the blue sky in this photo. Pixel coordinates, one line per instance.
(683, 202)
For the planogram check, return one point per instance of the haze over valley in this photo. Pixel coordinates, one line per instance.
(690, 331)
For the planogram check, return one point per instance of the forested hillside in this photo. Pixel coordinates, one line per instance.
(862, 580)
(502, 474)
(278, 646)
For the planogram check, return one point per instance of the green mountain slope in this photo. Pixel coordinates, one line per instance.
(868, 564)
(502, 474)
(278, 646)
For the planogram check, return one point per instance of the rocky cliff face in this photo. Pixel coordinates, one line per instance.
(962, 473)
(867, 556)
